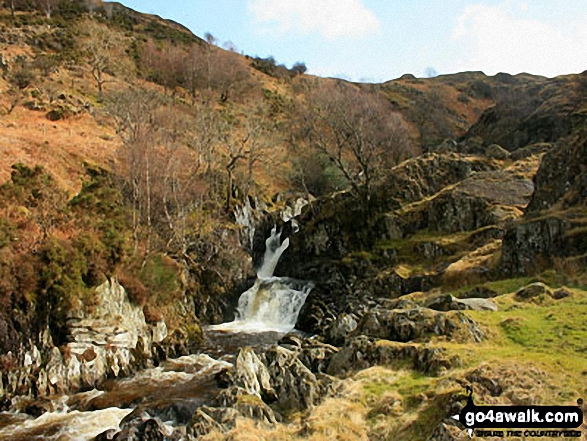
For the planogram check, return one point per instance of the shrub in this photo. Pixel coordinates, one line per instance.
(152, 314)
(22, 74)
(137, 292)
(463, 98)
(316, 175)
(95, 254)
(276, 101)
(7, 230)
(298, 68)
(159, 275)
(70, 9)
(270, 67)
(61, 283)
(480, 89)
(46, 64)
(100, 203)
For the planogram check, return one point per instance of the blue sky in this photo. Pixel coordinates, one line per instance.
(378, 40)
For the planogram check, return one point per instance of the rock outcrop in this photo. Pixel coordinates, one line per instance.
(363, 352)
(562, 176)
(416, 324)
(287, 377)
(110, 341)
(554, 223)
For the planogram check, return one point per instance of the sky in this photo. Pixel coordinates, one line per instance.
(379, 40)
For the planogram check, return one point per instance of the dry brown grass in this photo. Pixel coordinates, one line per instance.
(61, 147)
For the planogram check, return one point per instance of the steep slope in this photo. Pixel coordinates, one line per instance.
(534, 110)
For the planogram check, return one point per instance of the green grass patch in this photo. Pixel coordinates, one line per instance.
(551, 334)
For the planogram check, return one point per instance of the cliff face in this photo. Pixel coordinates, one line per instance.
(553, 228)
(561, 179)
(109, 341)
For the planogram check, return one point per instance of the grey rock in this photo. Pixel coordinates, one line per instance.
(533, 290)
(561, 294)
(363, 352)
(342, 326)
(418, 323)
(447, 432)
(495, 151)
(450, 303)
(206, 419)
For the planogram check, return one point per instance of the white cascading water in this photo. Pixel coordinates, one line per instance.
(274, 248)
(272, 303)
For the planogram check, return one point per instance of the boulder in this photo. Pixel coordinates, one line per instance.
(206, 419)
(146, 429)
(451, 303)
(495, 151)
(476, 304)
(479, 292)
(247, 404)
(342, 326)
(316, 355)
(530, 150)
(251, 374)
(561, 294)
(296, 386)
(448, 432)
(533, 290)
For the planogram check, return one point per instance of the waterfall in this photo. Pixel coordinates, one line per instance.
(274, 248)
(272, 303)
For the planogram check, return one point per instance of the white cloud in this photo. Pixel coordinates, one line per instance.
(496, 40)
(332, 18)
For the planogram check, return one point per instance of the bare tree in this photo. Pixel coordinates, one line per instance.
(207, 135)
(228, 74)
(167, 65)
(357, 131)
(260, 129)
(223, 72)
(47, 6)
(12, 4)
(235, 151)
(134, 111)
(178, 182)
(104, 50)
(192, 70)
(210, 39)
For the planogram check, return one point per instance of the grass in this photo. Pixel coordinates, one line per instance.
(548, 334)
(455, 243)
(536, 351)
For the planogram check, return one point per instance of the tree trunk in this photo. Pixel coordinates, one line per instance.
(148, 190)
(229, 189)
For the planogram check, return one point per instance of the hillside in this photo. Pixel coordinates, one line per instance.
(440, 224)
(435, 109)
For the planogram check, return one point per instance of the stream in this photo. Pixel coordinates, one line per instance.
(175, 389)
